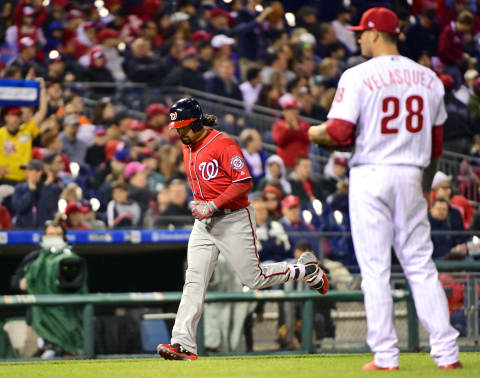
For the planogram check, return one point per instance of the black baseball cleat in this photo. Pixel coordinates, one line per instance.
(175, 352)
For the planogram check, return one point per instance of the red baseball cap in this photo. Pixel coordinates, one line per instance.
(14, 110)
(107, 33)
(381, 19)
(133, 124)
(290, 103)
(74, 207)
(155, 109)
(290, 201)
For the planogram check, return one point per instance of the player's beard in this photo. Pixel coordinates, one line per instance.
(186, 140)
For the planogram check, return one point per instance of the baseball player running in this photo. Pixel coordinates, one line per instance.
(224, 223)
(392, 109)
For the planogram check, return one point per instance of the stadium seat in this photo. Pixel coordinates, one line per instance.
(153, 332)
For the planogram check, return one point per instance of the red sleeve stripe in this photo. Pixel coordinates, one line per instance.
(341, 131)
(178, 124)
(437, 141)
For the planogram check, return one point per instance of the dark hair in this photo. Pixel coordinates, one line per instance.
(271, 57)
(252, 73)
(429, 13)
(209, 120)
(440, 200)
(465, 17)
(300, 158)
(392, 38)
(119, 185)
(293, 83)
(11, 71)
(52, 223)
(303, 245)
(323, 29)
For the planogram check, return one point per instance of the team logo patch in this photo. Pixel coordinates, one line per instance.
(209, 170)
(237, 162)
(173, 116)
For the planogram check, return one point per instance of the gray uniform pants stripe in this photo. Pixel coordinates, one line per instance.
(233, 236)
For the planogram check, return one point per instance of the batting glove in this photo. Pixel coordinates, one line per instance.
(202, 210)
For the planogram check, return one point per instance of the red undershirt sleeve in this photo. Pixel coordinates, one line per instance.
(437, 141)
(234, 190)
(340, 131)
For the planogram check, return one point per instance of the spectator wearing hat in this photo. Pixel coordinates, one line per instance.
(224, 83)
(25, 28)
(143, 65)
(25, 60)
(157, 118)
(37, 11)
(16, 139)
(305, 186)
(188, 73)
(122, 211)
(291, 134)
(219, 22)
(71, 145)
(90, 217)
(75, 216)
(136, 175)
(95, 154)
(35, 201)
(74, 18)
(273, 196)
(336, 170)
(461, 211)
(466, 91)
(276, 174)
(177, 213)
(55, 36)
(97, 71)
(109, 40)
(292, 222)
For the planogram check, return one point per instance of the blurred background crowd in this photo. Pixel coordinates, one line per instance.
(93, 156)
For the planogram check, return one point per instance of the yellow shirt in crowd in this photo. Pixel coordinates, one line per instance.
(16, 150)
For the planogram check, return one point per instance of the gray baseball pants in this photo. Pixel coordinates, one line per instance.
(233, 235)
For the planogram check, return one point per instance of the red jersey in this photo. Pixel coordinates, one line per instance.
(212, 165)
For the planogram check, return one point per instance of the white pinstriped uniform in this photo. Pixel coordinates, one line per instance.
(394, 103)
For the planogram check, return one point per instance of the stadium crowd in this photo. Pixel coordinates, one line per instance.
(97, 166)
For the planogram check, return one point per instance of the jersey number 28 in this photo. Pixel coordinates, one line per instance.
(414, 107)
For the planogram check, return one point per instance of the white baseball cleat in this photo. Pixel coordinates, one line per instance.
(314, 275)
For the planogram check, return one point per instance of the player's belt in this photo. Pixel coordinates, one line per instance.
(221, 212)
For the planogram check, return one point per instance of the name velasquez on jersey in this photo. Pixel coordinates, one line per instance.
(394, 103)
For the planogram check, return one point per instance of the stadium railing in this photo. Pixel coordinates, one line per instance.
(306, 297)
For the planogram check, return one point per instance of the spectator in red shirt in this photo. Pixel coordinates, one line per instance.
(291, 134)
(5, 218)
(450, 45)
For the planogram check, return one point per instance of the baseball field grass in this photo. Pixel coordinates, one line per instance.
(416, 365)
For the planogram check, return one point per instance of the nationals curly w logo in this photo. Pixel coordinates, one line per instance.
(209, 170)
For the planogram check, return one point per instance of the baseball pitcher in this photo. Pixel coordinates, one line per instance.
(392, 110)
